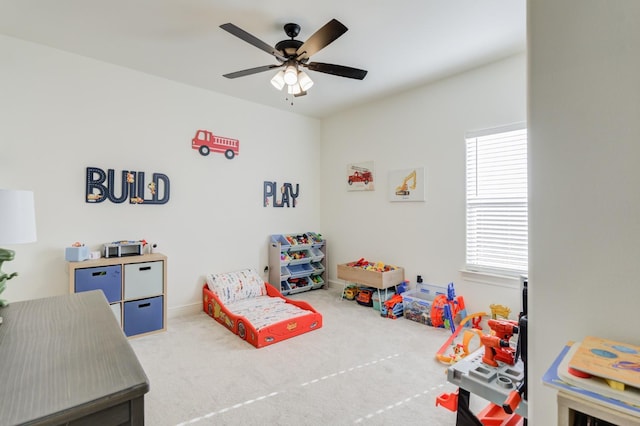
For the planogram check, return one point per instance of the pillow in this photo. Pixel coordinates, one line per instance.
(238, 285)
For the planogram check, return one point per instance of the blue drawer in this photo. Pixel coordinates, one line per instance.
(143, 316)
(105, 278)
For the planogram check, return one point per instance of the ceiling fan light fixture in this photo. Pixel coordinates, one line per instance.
(290, 75)
(305, 81)
(278, 80)
(294, 89)
(294, 55)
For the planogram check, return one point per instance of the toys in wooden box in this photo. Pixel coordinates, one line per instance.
(255, 310)
(372, 274)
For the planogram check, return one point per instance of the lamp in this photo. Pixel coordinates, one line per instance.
(294, 89)
(297, 82)
(305, 81)
(17, 226)
(278, 80)
(290, 74)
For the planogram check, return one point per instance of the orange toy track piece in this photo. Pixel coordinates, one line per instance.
(448, 401)
(494, 415)
(467, 337)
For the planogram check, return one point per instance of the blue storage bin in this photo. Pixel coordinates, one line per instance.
(282, 240)
(316, 254)
(143, 316)
(298, 243)
(298, 257)
(284, 273)
(317, 268)
(105, 278)
(285, 288)
(318, 240)
(299, 271)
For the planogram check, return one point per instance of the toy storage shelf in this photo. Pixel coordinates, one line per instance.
(297, 262)
(135, 287)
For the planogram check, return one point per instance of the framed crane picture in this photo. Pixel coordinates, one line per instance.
(407, 184)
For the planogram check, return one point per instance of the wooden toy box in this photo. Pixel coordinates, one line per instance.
(380, 280)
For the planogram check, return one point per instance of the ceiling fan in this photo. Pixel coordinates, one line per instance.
(293, 55)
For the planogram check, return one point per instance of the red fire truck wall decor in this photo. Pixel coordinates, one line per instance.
(287, 194)
(205, 142)
(101, 186)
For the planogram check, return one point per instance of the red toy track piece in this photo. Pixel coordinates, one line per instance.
(448, 401)
(475, 323)
(494, 415)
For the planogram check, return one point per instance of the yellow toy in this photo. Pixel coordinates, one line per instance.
(499, 311)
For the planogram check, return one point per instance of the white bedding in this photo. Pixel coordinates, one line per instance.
(262, 311)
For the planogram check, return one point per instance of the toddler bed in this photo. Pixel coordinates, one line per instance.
(254, 310)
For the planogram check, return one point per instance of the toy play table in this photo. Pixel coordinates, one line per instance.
(493, 384)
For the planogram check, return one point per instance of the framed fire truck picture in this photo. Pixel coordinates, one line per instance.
(360, 176)
(407, 184)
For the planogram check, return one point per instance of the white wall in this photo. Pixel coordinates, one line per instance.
(62, 113)
(424, 127)
(584, 128)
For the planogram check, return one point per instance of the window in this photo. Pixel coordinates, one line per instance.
(497, 211)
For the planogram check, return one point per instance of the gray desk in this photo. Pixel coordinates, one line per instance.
(65, 360)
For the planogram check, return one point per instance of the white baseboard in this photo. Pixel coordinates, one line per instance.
(179, 311)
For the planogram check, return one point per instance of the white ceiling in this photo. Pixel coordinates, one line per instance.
(402, 43)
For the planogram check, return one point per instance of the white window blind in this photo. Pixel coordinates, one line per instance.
(497, 211)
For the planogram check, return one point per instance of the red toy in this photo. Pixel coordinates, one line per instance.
(261, 335)
(392, 308)
(365, 297)
(497, 346)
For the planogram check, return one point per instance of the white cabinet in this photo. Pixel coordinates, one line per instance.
(297, 262)
(135, 287)
(574, 410)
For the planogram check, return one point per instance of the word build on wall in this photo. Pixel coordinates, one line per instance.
(132, 186)
(286, 192)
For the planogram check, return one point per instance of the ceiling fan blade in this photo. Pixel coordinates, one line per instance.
(300, 94)
(339, 70)
(253, 40)
(320, 39)
(251, 71)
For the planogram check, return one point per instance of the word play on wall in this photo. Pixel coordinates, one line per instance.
(287, 194)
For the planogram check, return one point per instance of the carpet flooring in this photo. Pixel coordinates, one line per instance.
(359, 368)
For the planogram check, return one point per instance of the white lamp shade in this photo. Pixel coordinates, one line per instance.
(278, 80)
(17, 217)
(290, 75)
(294, 89)
(305, 81)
